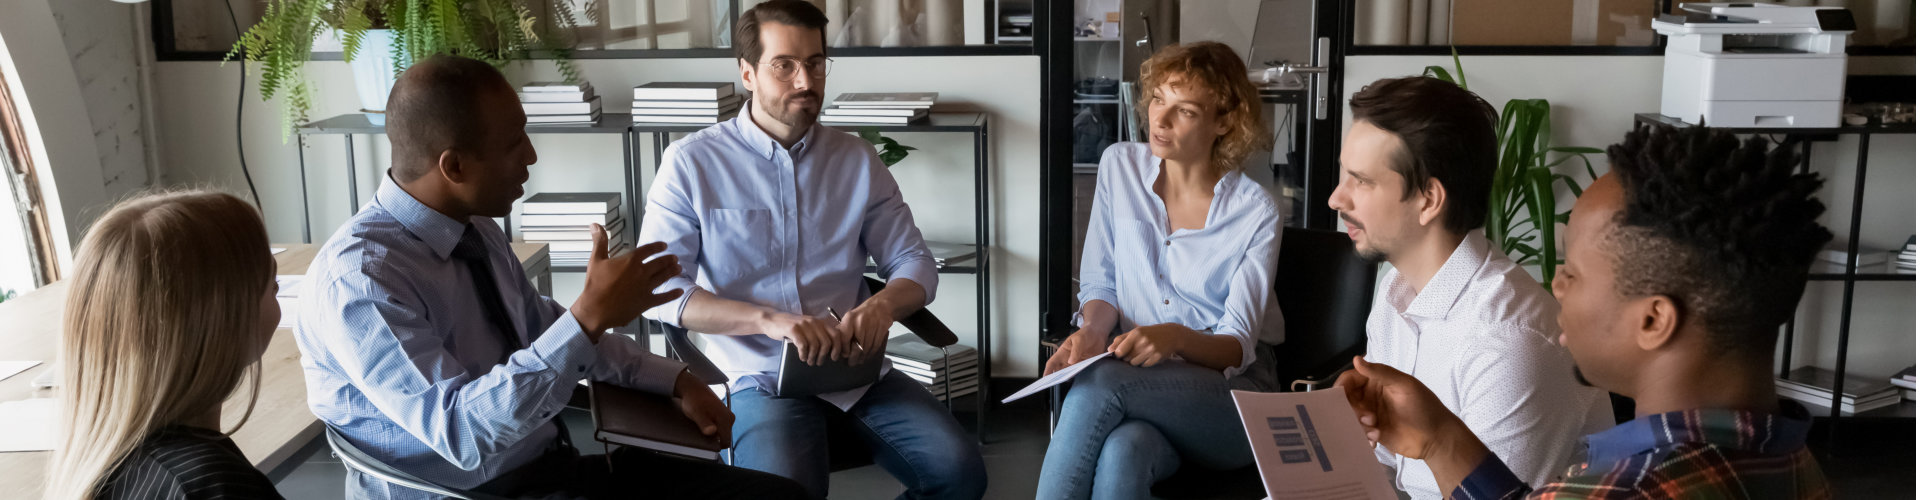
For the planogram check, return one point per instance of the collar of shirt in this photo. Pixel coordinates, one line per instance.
(762, 142)
(1764, 433)
(438, 231)
(1443, 290)
(1151, 174)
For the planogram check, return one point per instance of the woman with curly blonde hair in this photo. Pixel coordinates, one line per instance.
(1179, 259)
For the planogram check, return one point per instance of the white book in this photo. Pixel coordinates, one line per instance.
(557, 87)
(897, 120)
(871, 111)
(539, 220)
(682, 91)
(685, 111)
(586, 119)
(580, 96)
(887, 99)
(570, 203)
(562, 108)
(1839, 256)
(698, 120)
(571, 233)
(584, 246)
(689, 104)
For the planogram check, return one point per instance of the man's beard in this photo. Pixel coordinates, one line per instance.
(798, 119)
(1370, 254)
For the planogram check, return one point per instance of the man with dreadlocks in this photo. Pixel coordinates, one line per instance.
(1681, 263)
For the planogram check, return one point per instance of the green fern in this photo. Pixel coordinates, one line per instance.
(495, 31)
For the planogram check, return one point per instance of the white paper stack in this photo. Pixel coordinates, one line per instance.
(564, 221)
(560, 103)
(700, 103)
(880, 108)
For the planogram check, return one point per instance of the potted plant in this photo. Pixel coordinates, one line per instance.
(890, 151)
(1522, 213)
(381, 38)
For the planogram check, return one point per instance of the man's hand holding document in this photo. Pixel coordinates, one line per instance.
(1310, 446)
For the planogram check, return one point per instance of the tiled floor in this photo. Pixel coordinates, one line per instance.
(1881, 468)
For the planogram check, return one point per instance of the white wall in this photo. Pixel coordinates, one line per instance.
(46, 90)
(108, 62)
(195, 100)
(1594, 98)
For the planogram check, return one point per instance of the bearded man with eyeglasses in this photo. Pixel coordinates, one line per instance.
(773, 218)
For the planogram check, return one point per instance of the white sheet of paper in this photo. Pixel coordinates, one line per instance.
(1309, 446)
(11, 368)
(27, 425)
(288, 297)
(1056, 378)
(277, 250)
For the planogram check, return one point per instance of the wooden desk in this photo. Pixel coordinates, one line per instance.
(281, 423)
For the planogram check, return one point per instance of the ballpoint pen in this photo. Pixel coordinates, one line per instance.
(836, 318)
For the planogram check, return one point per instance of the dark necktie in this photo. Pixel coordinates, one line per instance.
(474, 252)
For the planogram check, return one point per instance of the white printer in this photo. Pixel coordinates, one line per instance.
(1755, 64)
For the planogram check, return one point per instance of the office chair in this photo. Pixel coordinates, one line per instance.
(363, 463)
(922, 323)
(1325, 291)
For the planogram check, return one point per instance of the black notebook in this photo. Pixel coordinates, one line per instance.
(632, 418)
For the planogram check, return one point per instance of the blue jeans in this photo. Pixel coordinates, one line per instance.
(911, 434)
(1124, 427)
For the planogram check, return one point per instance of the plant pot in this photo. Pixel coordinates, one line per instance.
(374, 73)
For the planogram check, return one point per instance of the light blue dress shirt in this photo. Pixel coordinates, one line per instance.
(399, 355)
(789, 229)
(1218, 279)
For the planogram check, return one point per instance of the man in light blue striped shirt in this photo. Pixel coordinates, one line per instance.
(778, 215)
(424, 343)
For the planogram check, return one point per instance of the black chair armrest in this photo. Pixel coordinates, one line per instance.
(681, 347)
(1315, 383)
(922, 322)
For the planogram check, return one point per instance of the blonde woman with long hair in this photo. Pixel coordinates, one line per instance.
(170, 307)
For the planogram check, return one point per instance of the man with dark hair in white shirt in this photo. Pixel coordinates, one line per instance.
(1454, 311)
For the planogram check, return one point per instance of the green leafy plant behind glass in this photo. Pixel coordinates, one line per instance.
(891, 151)
(1522, 212)
(5, 295)
(495, 31)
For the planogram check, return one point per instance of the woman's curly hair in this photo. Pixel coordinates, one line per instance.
(1728, 229)
(1213, 69)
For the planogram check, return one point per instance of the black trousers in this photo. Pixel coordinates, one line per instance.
(637, 473)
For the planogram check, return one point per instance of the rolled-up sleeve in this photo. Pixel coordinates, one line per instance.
(888, 233)
(1250, 290)
(1096, 253)
(673, 219)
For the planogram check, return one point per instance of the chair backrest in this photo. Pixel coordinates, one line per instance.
(1325, 291)
(363, 463)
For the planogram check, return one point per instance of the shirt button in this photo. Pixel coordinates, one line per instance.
(583, 368)
(1165, 302)
(1169, 243)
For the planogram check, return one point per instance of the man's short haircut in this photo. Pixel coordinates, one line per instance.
(435, 106)
(1728, 230)
(746, 33)
(1448, 135)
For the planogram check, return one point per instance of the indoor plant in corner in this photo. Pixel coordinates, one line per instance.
(1524, 209)
(381, 38)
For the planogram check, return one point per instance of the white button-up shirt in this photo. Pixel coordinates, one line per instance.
(789, 229)
(1482, 335)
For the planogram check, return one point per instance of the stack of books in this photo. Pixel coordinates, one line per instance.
(702, 103)
(560, 103)
(564, 221)
(882, 108)
(1903, 261)
(1833, 260)
(1814, 387)
(1903, 380)
(924, 363)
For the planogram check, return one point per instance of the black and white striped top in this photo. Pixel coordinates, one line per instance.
(186, 463)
